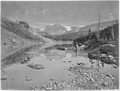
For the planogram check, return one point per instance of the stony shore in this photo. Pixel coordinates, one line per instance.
(86, 79)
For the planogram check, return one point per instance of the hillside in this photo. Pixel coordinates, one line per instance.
(19, 29)
(15, 36)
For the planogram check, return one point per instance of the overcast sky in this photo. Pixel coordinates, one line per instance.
(63, 12)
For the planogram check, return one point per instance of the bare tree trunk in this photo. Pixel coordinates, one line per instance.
(112, 32)
(98, 33)
(98, 36)
(89, 34)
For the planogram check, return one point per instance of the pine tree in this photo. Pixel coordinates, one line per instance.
(89, 34)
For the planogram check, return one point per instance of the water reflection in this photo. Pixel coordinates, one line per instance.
(53, 52)
(19, 56)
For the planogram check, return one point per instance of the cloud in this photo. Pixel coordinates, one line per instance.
(111, 15)
(27, 12)
(61, 12)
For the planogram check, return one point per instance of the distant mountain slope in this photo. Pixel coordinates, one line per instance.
(73, 29)
(19, 29)
(94, 26)
(82, 31)
(55, 29)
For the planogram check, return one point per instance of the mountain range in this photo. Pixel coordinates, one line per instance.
(59, 32)
(56, 29)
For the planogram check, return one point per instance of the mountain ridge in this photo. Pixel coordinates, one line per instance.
(81, 32)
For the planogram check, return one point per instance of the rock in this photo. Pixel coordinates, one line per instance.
(48, 88)
(37, 87)
(36, 66)
(43, 55)
(3, 71)
(74, 81)
(68, 55)
(4, 78)
(63, 61)
(69, 61)
(52, 59)
(111, 58)
(65, 48)
(109, 75)
(105, 83)
(28, 79)
(4, 43)
(103, 55)
(31, 88)
(13, 41)
(69, 74)
(52, 79)
(115, 66)
(57, 52)
(82, 47)
(79, 63)
(13, 46)
(68, 85)
(26, 60)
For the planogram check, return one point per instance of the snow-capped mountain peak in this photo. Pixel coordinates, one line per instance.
(52, 24)
(55, 29)
(68, 28)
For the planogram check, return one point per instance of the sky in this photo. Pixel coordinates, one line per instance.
(61, 12)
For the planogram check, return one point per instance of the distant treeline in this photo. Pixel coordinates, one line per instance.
(104, 34)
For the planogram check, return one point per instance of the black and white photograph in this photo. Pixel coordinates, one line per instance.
(60, 45)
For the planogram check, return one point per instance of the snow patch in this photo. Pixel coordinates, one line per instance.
(81, 26)
(63, 32)
(42, 29)
(60, 30)
(33, 31)
(68, 28)
(52, 24)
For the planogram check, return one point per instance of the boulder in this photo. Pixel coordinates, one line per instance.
(4, 78)
(13, 41)
(69, 55)
(28, 79)
(43, 55)
(36, 66)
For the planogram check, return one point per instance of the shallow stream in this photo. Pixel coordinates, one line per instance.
(56, 63)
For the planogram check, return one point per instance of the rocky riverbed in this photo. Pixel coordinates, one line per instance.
(86, 79)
